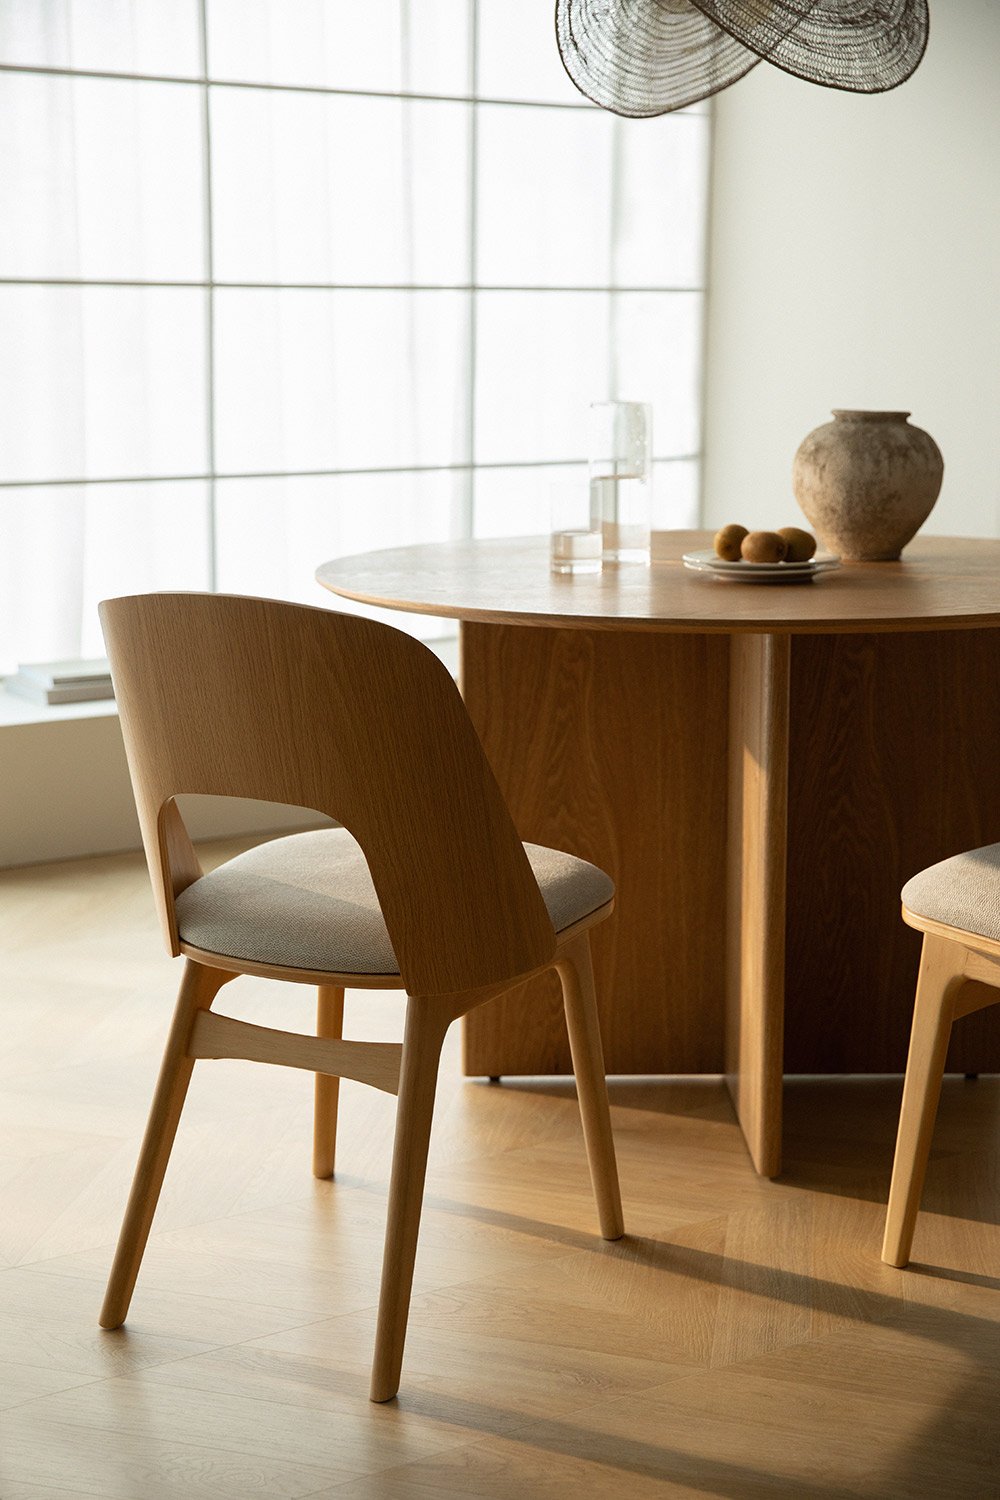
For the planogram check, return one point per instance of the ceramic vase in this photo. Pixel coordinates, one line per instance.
(867, 481)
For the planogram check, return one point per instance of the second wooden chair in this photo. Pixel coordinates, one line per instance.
(956, 905)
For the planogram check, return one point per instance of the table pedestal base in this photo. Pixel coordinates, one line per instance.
(617, 746)
(755, 895)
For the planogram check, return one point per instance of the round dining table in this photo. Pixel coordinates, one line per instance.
(760, 767)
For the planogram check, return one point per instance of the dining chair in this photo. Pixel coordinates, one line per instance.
(424, 887)
(956, 905)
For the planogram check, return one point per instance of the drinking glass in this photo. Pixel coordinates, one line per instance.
(621, 448)
(575, 541)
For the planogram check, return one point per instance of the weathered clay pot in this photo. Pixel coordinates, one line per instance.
(867, 482)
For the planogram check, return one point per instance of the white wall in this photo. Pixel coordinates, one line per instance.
(65, 792)
(855, 261)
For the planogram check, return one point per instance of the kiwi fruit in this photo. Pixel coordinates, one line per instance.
(763, 547)
(728, 542)
(801, 544)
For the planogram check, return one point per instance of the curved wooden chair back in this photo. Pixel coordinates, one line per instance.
(243, 697)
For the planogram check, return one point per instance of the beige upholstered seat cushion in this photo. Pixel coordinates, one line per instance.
(307, 902)
(963, 891)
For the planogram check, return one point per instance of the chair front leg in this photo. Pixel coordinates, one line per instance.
(938, 983)
(576, 973)
(199, 986)
(426, 1025)
(329, 1023)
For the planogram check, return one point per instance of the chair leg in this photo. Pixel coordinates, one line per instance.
(576, 973)
(329, 1023)
(939, 980)
(199, 987)
(425, 1031)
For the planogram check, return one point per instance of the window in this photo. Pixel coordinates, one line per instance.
(287, 279)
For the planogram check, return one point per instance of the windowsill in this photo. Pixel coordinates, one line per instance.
(15, 710)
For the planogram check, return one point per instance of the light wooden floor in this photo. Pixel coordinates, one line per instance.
(744, 1340)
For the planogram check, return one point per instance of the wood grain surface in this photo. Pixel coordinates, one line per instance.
(894, 723)
(238, 696)
(241, 697)
(613, 747)
(949, 985)
(744, 1340)
(374, 1063)
(754, 913)
(893, 765)
(326, 1090)
(940, 583)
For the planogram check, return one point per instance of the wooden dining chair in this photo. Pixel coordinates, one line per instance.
(425, 887)
(956, 905)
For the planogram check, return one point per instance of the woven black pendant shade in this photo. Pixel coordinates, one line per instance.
(646, 57)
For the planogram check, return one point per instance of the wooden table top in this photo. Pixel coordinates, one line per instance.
(941, 583)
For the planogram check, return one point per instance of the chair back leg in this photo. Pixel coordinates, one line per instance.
(576, 973)
(199, 986)
(426, 1024)
(330, 1024)
(941, 977)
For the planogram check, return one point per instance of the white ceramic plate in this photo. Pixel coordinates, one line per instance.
(705, 561)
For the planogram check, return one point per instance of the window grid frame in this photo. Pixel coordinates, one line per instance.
(209, 284)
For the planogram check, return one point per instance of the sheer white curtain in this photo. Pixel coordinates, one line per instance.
(289, 279)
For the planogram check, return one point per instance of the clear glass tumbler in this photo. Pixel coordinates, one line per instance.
(621, 450)
(576, 543)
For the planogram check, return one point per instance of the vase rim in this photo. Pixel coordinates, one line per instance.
(855, 414)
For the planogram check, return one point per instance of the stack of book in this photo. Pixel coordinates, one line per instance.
(62, 681)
